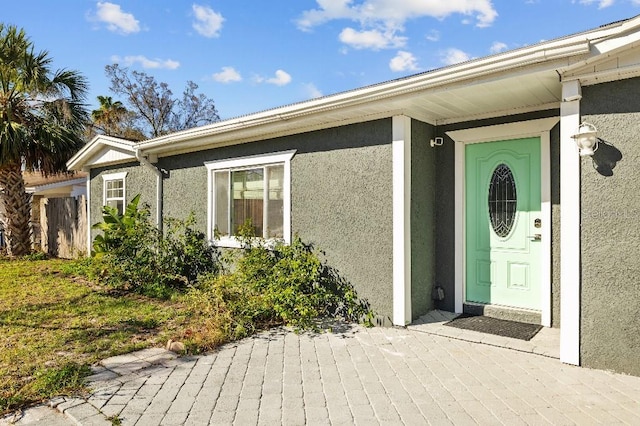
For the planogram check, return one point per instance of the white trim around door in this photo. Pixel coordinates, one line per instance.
(533, 128)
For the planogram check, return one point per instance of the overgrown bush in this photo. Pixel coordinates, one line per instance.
(280, 285)
(268, 284)
(131, 254)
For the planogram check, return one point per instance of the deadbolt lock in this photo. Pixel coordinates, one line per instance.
(537, 223)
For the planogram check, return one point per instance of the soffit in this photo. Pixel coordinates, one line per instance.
(529, 90)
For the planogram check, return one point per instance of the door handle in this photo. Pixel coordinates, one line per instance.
(535, 237)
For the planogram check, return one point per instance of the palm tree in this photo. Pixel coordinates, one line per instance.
(42, 116)
(109, 116)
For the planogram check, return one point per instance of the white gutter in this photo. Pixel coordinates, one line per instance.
(456, 74)
(159, 181)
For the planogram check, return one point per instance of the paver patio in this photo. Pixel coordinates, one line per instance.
(354, 375)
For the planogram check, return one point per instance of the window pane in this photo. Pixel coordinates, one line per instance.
(275, 203)
(248, 195)
(222, 202)
(114, 185)
(502, 200)
(114, 194)
(117, 204)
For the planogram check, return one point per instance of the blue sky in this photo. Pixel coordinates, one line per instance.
(251, 55)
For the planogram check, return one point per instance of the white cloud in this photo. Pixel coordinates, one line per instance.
(433, 35)
(145, 62)
(208, 22)
(372, 39)
(116, 20)
(498, 47)
(403, 61)
(601, 3)
(454, 56)
(392, 14)
(312, 91)
(227, 75)
(281, 78)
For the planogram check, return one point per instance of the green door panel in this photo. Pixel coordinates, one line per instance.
(503, 259)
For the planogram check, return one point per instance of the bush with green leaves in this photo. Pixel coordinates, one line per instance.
(270, 286)
(131, 254)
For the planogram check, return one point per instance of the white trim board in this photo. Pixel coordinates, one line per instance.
(283, 157)
(533, 128)
(570, 225)
(401, 148)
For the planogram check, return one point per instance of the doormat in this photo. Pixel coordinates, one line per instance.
(499, 327)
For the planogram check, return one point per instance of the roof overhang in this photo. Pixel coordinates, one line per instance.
(62, 188)
(522, 80)
(507, 83)
(102, 151)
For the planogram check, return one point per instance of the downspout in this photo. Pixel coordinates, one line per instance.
(159, 179)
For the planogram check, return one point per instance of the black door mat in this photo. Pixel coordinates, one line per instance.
(499, 327)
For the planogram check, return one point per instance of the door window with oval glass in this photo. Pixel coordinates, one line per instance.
(502, 200)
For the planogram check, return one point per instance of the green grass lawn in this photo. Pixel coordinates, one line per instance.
(53, 325)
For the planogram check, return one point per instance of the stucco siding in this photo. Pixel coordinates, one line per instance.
(138, 181)
(423, 218)
(610, 300)
(342, 201)
(341, 198)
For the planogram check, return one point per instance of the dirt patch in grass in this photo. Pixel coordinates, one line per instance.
(54, 325)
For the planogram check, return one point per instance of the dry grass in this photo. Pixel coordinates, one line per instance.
(54, 324)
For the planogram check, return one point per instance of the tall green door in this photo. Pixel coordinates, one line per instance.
(503, 223)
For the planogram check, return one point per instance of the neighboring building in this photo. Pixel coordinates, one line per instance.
(466, 178)
(58, 213)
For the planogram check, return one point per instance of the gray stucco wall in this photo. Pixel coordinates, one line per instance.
(138, 181)
(423, 218)
(341, 197)
(445, 214)
(610, 314)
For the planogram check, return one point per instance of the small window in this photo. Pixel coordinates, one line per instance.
(502, 200)
(114, 191)
(254, 189)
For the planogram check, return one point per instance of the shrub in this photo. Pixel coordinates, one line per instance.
(282, 285)
(131, 254)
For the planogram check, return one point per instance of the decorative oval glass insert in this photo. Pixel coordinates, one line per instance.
(502, 200)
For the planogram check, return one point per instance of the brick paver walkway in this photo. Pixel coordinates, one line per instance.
(354, 376)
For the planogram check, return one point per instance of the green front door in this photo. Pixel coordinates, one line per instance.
(503, 223)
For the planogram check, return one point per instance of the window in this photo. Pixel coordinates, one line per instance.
(114, 190)
(250, 188)
(502, 200)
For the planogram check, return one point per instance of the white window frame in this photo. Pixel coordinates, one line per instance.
(111, 177)
(283, 158)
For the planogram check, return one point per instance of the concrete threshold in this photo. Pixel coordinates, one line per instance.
(545, 343)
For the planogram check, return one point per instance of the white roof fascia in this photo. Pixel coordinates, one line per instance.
(543, 52)
(561, 54)
(49, 186)
(610, 43)
(79, 159)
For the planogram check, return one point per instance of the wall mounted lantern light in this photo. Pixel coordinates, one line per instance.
(586, 139)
